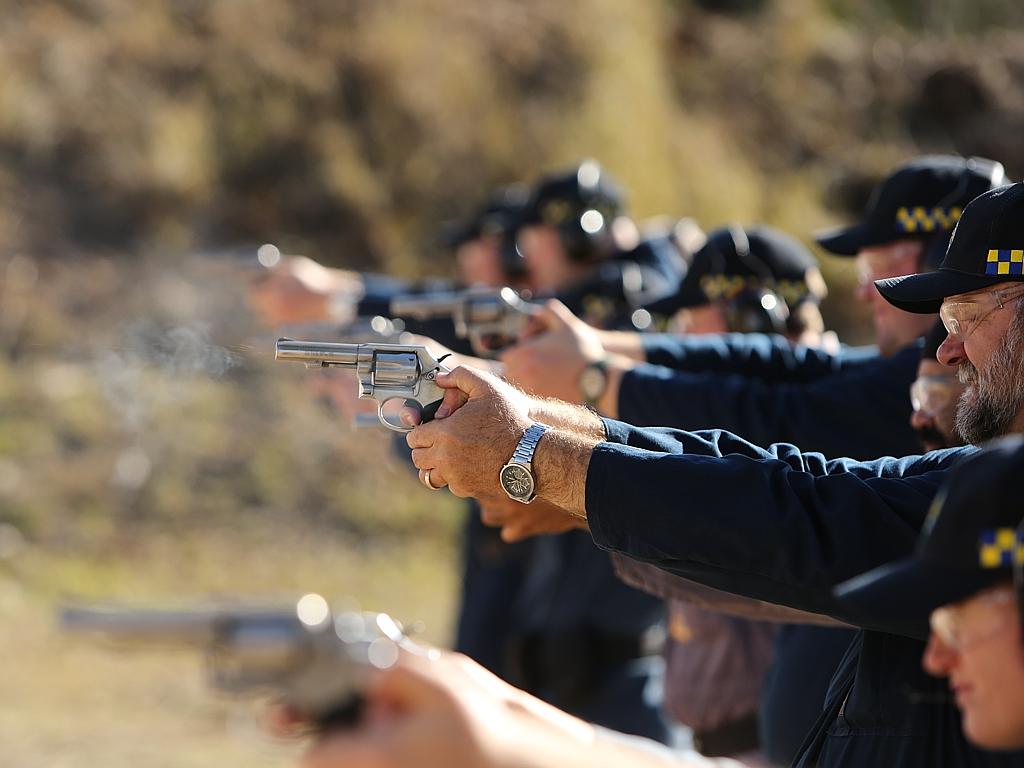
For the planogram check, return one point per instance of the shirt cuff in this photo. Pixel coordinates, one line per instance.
(659, 348)
(602, 505)
(615, 432)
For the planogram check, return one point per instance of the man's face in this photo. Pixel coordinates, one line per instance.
(894, 328)
(977, 644)
(545, 258)
(934, 395)
(479, 261)
(989, 359)
(706, 318)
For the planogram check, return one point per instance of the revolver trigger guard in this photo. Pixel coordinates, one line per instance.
(393, 427)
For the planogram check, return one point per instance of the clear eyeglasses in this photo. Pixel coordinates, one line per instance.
(930, 394)
(963, 625)
(961, 318)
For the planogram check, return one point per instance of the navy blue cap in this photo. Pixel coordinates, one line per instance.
(562, 198)
(987, 248)
(499, 214)
(921, 200)
(969, 542)
(735, 258)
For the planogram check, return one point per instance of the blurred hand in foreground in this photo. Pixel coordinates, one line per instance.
(523, 521)
(548, 361)
(445, 711)
(299, 290)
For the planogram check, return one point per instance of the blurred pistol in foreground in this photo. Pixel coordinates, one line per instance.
(490, 319)
(386, 372)
(301, 655)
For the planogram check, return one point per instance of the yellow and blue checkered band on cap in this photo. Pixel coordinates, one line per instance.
(792, 291)
(727, 287)
(1000, 548)
(918, 218)
(555, 212)
(1005, 262)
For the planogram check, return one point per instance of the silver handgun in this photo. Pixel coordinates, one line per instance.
(301, 654)
(385, 372)
(362, 330)
(490, 319)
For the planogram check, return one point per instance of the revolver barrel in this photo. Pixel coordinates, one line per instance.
(318, 353)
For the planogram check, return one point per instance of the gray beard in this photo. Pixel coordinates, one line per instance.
(992, 400)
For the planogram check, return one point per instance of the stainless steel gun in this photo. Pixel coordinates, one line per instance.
(301, 654)
(490, 319)
(362, 330)
(386, 372)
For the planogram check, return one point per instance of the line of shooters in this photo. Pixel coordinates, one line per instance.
(664, 417)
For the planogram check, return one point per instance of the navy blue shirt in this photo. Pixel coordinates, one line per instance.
(680, 499)
(768, 357)
(854, 404)
(784, 526)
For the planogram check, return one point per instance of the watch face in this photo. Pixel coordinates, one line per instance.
(592, 383)
(517, 481)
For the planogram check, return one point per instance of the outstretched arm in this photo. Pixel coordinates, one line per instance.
(449, 712)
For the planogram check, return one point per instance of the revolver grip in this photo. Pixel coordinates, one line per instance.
(427, 411)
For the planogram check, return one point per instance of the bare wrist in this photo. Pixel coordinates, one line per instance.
(561, 463)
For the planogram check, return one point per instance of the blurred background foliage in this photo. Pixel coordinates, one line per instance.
(148, 446)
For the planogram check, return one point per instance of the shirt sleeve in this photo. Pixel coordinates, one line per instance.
(765, 356)
(772, 524)
(862, 412)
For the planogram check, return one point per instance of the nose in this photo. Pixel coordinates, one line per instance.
(951, 351)
(921, 419)
(938, 658)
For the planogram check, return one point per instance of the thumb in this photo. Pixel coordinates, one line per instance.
(452, 401)
(474, 383)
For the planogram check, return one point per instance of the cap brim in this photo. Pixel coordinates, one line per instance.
(903, 594)
(849, 241)
(923, 293)
(456, 233)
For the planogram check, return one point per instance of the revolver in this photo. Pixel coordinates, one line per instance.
(362, 330)
(386, 372)
(490, 319)
(301, 654)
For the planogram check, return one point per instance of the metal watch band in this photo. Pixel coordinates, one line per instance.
(528, 444)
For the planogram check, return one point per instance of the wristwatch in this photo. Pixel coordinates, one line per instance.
(593, 382)
(516, 477)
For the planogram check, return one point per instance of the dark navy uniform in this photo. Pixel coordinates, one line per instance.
(584, 640)
(550, 614)
(863, 411)
(806, 524)
(765, 356)
(852, 403)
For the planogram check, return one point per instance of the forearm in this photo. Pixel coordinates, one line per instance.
(558, 740)
(560, 466)
(625, 343)
(567, 417)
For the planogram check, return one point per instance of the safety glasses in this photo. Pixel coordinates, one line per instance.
(930, 394)
(961, 318)
(962, 625)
